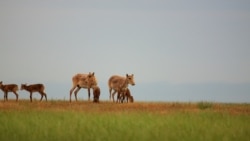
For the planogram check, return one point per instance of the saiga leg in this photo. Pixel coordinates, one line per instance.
(70, 93)
(30, 96)
(76, 91)
(41, 93)
(89, 94)
(5, 96)
(113, 94)
(110, 90)
(45, 95)
(16, 95)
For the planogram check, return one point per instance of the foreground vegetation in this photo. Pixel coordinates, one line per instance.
(61, 120)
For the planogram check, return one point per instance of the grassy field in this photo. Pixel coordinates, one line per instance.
(83, 120)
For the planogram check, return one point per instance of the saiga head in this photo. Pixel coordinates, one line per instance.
(91, 80)
(130, 79)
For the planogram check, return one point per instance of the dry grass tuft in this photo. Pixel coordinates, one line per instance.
(107, 106)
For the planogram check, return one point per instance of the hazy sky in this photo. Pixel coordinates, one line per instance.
(165, 43)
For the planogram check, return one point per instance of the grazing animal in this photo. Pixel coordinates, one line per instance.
(86, 81)
(96, 93)
(125, 94)
(9, 88)
(119, 83)
(35, 88)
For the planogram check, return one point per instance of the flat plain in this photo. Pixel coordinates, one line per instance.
(85, 120)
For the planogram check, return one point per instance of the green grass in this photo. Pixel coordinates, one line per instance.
(204, 105)
(43, 123)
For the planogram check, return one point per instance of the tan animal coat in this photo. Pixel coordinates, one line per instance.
(35, 88)
(96, 93)
(86, 81)
(125, 95)
(9, 88)
(118, 83)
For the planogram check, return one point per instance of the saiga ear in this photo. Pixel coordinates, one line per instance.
(92, 73)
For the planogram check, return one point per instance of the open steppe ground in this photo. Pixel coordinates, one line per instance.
(84, 120)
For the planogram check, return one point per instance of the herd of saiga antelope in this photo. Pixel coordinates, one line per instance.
(119, 85)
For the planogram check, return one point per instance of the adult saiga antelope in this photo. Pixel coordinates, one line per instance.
(9, 88)
(86, 81)
(119, 84)
(34, 88)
